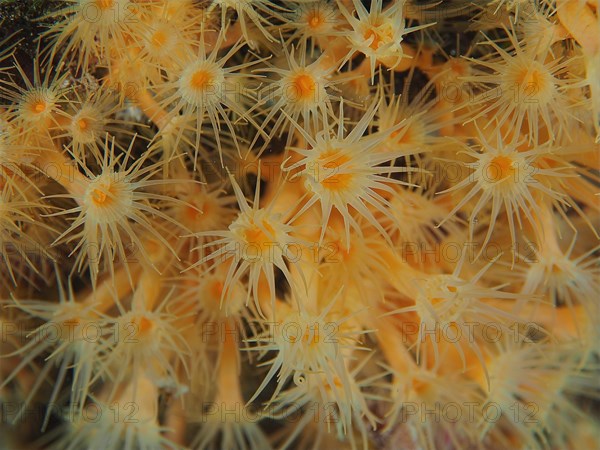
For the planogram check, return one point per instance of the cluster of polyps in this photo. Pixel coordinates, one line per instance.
(222, 196)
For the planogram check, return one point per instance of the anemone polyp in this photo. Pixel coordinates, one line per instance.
(109, 198)
(501, 167)
(259, 237)
(378, 35)
(439, 300)
(38, 106)
(85, 127)
(304, 86)
(334, 171)
(200, 79)
(526, 89)
(533, 80)
(315, 19)
(327, 235)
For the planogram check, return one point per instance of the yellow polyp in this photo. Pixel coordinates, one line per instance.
(500, 168)
(338, 182)
(419, 386)
(222, 186)
(308, 338)
(206, 208)
(256, 236)
(83, 124)
(380, 35)
(143, 326)
(372, 34)
(436, 300)
(315, 20)
(201, 79)
(531, 77)
(101, 195)
(332, 162)
(305, 86)
(98, 196)
(159, 39)
(458, 67)
(192, 213)
(39, 107)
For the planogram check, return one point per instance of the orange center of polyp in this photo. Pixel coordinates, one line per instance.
(83, 124)
(372, 34)
(256, 236)
(306, 337)
(100, 197)
(419, 386)
(192, 213)
(331, 165)
(143, 327)
(304, 86)
(530, 77)
(159, 38)
(200, 79)
(500, 168)
(315, 20)
(380, 31)
(436, 300)
(39, 107)
(458, 67)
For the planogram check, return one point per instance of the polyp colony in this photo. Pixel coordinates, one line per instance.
(249, 224)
